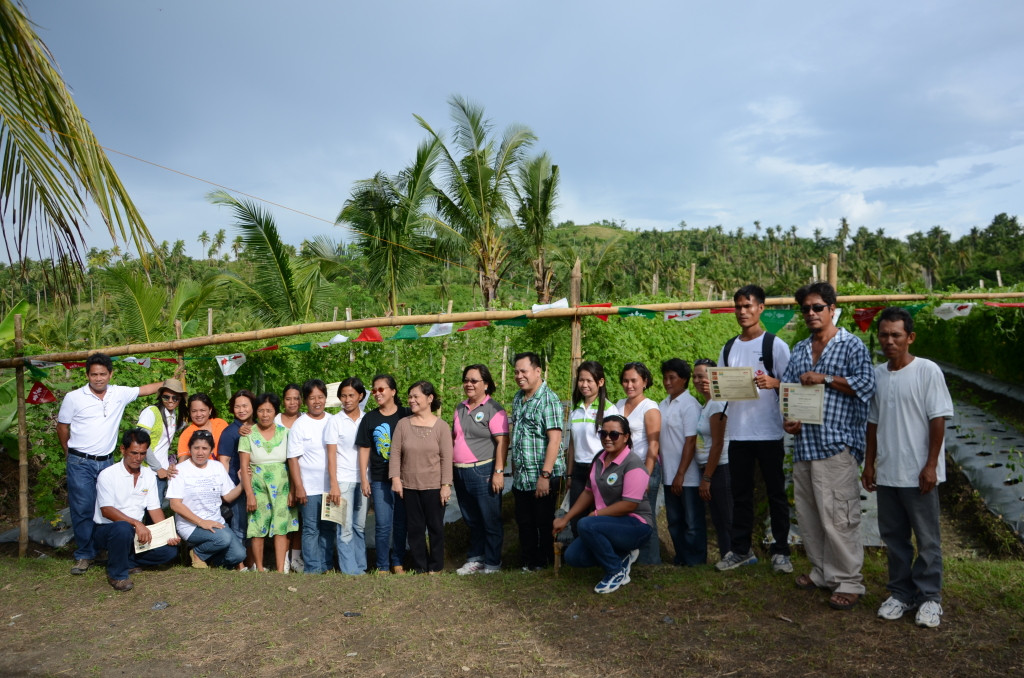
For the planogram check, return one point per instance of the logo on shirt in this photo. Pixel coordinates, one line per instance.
(612, 478)
(478, 417)
(382, 438)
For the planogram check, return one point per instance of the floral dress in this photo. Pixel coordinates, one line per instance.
(267, 464)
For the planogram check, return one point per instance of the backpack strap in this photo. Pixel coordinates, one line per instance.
(725, 351)
(768, 353)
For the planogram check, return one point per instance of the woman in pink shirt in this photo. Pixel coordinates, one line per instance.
(621, 520)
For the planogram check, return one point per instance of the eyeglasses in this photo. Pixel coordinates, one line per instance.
(611, 435)
(818, 308)
(472, 381)
(170, 398)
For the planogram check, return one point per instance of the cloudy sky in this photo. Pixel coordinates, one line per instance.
(895, 115)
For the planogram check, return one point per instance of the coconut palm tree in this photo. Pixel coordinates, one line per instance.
(204, 240)
(52, 166)
(537, 192)
(219, 238)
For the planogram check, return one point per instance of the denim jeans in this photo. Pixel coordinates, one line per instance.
(118, 539)
(220, 547)
(605, 540)
(81, 479)
(318, 537)
(481, 509)
(161, 490)
(580, 476)
(389, 532)
(351, 537)
(650, 554)
(685, 515)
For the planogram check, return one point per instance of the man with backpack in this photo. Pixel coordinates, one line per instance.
(755, 434)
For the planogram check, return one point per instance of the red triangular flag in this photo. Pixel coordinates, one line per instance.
(71, 366)
(996, 303)
(168, 360)
(723, 310)
(369, 334)
(40, 394)
(265, 348)
(602, 317)
(864, 316)
(474, 324)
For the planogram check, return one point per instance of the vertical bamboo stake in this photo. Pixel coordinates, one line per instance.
(693, 278)
(335, 314)
(654, 284)
(209, 321)
(981, 284)
(351, 351)
(181, 353)
(833, 270)
(999, 279)
(814, 273)
(19, 385)
(450, 302)
(576, 352)
(504, 364)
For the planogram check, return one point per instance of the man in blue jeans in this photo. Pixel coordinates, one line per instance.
(87, 430)
(124, 493)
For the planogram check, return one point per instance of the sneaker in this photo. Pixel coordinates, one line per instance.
(612, 582)
(893, 609)
(929, 615)
(287, 563)
(197, 562)
(781, 564)
(733, 560)
(627, 562)
(81, 566)
(471, 567)
(297, 563)
(127, 585)
(491, 570)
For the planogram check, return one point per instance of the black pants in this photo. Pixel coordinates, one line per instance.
(768, 454)
(580, 475)
(535, 517)
(424, 513)
(721, 507)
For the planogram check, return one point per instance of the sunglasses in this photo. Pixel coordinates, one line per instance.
(611, 435)
(170, 397)
(818, 308)
(380, 390)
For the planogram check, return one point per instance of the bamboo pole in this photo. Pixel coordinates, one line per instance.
(181, 353)
(341, 326)
(575, 282)
(351, 350)
(833, 270)
(999, 278)
(19, 385)
(209, 321)
(693, 278)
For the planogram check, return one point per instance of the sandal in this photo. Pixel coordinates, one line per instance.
(853, 599)
(805, 583)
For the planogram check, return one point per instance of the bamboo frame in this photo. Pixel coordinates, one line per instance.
(398, 321)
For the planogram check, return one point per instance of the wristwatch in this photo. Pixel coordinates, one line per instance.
(545, 475)
(828, 380)
(707, 479)
(499, 470)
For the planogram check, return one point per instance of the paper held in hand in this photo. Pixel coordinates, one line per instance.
(162, 533)
(802, 403)
(733, 383)
(333, 512)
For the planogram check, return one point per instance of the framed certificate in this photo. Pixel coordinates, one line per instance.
(332, 512)
(802, 403)
(733, 383)
(162, 533)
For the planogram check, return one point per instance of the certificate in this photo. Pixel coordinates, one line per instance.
(332, 512)
(161, 532)
(802, 403)
(733, 383)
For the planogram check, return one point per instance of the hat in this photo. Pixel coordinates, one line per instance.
(173, 385)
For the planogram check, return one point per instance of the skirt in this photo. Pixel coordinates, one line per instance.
(272, 516)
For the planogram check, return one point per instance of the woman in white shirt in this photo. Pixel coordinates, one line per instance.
(196, 493)
(645, 427)
(163, 421)
(590, 398)
(291, 403)
(713, 456)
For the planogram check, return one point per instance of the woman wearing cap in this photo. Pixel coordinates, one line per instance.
(202, 416)
(592, 406)
(621, 520)
(163, 421)
(196, 493)
(645, 422)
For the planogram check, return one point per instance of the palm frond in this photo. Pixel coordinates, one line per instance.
(139, 304)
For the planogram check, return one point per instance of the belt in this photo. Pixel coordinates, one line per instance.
(477, 463)
(94, 457)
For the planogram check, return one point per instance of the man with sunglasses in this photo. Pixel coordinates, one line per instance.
(87, 427)
(827, 456)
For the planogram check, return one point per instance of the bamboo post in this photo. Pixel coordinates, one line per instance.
(504, 364)
(576, 354)
(999, 279)
(654, 284)
(19, 385)
(693, 278)
(181, 353)
(209, 321)
(814, 273)
(335, 314)
(981, 284)
(833, 270)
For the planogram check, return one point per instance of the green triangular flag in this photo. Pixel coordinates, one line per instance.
(637, 312)
(300, 347)
(36, 372)
(914, 308)
(405, 332)
(518, 321)
(776, 320)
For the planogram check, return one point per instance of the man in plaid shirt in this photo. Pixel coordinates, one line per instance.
(826, 461)
(536, 427)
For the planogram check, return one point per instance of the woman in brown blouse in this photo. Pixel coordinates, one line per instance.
(420, 469)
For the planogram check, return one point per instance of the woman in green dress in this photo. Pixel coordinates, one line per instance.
(263, 455)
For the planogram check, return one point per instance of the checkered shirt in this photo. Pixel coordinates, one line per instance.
(530, 421)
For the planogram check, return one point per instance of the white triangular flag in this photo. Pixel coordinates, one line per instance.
(438, 330)
(332, 395)
(141, 362)
(835, 318)
(952, 310)
(44, 363)
(229, 364)
(561, 303)
(682, 315)
(338, 339)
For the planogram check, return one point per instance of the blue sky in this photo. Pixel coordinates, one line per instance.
(896, 115)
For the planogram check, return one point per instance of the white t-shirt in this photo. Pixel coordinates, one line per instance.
(94, 422)
(637, 429)
(586, 444)
(116, 487)
(161, 435)
(756, 419)
(904, 403)
(341, 431)
(306, 441)
(201, 490)
(678, 422)
(704, 439)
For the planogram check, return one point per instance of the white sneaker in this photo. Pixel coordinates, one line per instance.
(612, 582)
(893, 609)
(287, 563)
(781, 563)
(471, 567)
(297, 564)
(733, 560)
(627, 562)
(929, 615)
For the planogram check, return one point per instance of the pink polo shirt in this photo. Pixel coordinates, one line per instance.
(474, 429)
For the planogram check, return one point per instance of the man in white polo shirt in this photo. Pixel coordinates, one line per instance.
(124, 492)
(87, 429)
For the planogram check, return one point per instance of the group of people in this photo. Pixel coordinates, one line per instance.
(270, 472)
